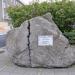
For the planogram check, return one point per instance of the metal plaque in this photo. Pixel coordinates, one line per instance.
(45, 40)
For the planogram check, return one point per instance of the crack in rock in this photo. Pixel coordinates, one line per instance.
(28, 46)
(29, 41)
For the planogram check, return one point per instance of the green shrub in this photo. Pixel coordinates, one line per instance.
(70, 36)
(19, 14)
(63, 13)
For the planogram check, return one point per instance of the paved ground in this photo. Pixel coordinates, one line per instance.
(2, 40)
(4, 28)
(8, 68)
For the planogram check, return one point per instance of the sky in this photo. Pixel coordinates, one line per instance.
(29, 1)
(26, 1)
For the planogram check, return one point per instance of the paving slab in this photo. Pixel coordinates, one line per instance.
(8, 68)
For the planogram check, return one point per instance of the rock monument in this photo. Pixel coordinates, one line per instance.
(39, 43)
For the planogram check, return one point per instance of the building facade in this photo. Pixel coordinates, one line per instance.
(4, 4)
(1, 10)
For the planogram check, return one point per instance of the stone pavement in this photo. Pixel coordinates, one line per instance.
(8, 68)
(4, 27)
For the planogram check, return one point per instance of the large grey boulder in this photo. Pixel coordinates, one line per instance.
(45, 46)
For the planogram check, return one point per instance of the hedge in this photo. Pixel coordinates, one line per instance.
(63, 13)
(70, 36)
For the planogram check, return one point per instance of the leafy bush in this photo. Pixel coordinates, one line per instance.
(70, 36)
(19, 14)
(63, 13)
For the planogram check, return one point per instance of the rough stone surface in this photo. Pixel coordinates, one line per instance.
(47, 56)
(25, 51)
(17, 45)
(49, 17)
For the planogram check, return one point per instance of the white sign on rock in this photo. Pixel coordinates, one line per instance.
(45, 40)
